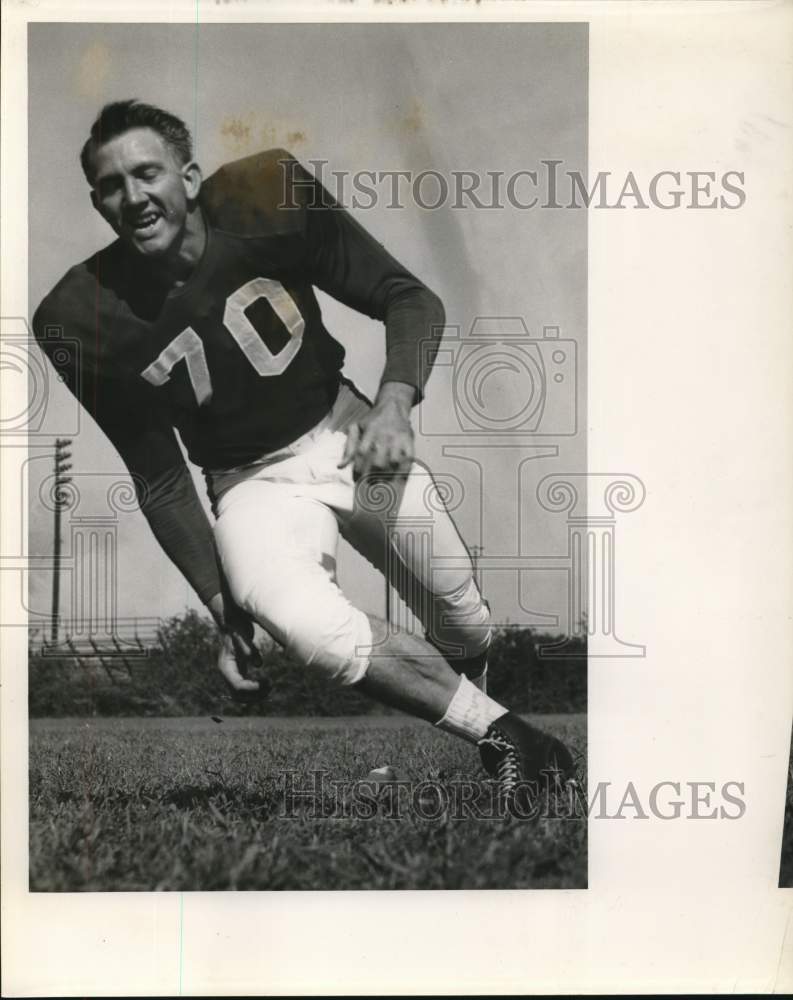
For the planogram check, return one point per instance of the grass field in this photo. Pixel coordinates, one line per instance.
(190, 804)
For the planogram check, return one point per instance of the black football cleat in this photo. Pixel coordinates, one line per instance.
(523, 760)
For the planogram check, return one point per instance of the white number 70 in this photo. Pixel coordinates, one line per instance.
(187, 346)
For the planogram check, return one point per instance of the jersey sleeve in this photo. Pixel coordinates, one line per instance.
(272, 194)
(348, 263)
(147, 444)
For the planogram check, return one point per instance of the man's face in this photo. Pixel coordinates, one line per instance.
(142, 191)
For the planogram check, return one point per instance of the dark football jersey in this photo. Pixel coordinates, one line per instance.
(237, 359)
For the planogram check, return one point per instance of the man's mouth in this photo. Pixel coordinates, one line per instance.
(145, 224)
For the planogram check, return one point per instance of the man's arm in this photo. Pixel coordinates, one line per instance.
(147, 444)
(170, 503)
(352, 266)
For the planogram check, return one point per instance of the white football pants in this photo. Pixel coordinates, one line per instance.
(277, 533)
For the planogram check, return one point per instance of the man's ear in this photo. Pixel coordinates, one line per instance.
(95, 201)
(191, 176)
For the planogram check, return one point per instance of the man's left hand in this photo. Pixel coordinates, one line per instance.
(382, 441)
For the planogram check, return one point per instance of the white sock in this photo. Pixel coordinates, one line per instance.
(470, 713)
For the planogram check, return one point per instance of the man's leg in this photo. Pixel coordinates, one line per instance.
(433, 576)
(377, 522)
(278, 555)
(389, 526)
(405, 672)
(403, 675)
(278, 551)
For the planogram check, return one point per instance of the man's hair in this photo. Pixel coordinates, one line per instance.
(121, 116)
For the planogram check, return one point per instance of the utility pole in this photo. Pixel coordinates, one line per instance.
(476, 552)
(62, 466)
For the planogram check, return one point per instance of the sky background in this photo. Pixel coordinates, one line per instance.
(484, 97)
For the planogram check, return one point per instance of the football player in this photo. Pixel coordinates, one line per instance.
(201, 318)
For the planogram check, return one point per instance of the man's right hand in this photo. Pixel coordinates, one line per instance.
(237, 654)
(237, 651)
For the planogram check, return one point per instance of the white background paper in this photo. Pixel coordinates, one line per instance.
(690, 372)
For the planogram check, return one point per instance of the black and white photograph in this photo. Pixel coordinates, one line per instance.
(307, 488)
(396, 559)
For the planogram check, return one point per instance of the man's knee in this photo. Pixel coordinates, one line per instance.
(338, 645)
(320, 630)
(461, 621)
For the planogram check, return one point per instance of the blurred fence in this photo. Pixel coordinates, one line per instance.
(154, 667)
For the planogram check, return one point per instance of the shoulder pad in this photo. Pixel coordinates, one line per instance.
(254, 196)
(73, 300)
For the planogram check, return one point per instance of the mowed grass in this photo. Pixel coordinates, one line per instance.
(190, 804)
